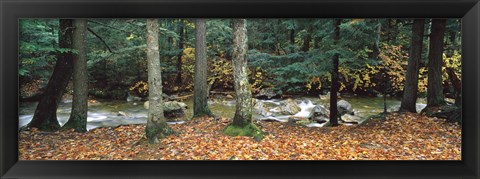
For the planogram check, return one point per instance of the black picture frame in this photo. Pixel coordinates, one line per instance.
(12, 10)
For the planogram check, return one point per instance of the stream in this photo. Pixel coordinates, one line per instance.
(107, 113)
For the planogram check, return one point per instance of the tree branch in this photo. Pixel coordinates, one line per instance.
(101, 39)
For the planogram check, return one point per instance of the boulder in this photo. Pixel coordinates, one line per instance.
(289, 107)
(348, 118)
(261, 109)
(344, 107)
(172, 110)
(170, 104)
(131, 98)
(319, 114)
(268, 93)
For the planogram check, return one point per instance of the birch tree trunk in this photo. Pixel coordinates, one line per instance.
(243, 111)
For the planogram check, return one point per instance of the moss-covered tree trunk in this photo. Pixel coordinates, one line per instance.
(334, 87)
(45, 116)
(435, 95)
(242, 121)
(410, 90)
(157, 127)
(243, 110)
(78, 116)
(200, 105)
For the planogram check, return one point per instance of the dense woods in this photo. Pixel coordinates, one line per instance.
(252, 81)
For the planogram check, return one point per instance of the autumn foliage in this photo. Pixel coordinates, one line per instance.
(397, 137)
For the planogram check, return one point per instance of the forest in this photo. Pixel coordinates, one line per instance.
(240, 89)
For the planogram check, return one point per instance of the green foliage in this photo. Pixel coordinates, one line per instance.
(365, 47)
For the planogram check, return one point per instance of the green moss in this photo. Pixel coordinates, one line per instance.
(155, 132)
(205, 112)
(247, 130)
(77, 123)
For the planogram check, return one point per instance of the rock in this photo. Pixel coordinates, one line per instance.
(271, 119)
(344, 107)
(298, 120)
(268, 93)
(121, 113)
(146, 104)
(260, 108)
(168, 105)
(327, 96)
(314, 124)
(289, 107)
(131, 98)
(319, 114)
(347, 118)
(229, 96)
(174, 111)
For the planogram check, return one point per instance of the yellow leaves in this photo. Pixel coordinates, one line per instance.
(141, 87)
(131, 37)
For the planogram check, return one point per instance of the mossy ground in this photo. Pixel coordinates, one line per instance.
(247, 130)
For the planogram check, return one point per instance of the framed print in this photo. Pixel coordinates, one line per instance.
(248, 89)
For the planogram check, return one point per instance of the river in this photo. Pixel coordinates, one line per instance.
(107, 113)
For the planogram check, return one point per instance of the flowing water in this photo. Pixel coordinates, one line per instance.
(119, 112)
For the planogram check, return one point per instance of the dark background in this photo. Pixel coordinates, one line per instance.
(12, 10)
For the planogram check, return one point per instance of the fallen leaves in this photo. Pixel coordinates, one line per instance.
(399, 137)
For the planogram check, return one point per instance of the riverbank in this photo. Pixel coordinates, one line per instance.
(398, 137)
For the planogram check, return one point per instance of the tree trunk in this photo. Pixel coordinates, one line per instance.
(308, 38)
(334, 87)
(435, 61)
(243, 111)
(157, 127)
(181, 46)
(45, 116)
(410, 90)
(292, 36)
(78, 116)
(457, 85)
(200, 105)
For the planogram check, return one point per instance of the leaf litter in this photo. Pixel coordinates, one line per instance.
(397, 137)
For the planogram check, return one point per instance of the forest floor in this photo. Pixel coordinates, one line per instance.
(398, 137)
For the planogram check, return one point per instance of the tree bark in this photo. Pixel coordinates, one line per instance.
(181, 46)
(410, 90)
(157, 127)
(45, 116)
(200, 105)
(308, 37)
(435, 95)
(78, 116)
(243, 111)
(334, 87)
(292, 36)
